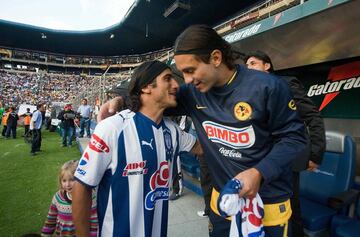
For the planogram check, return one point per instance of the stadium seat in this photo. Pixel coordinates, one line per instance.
(344, 226)
(320, 189)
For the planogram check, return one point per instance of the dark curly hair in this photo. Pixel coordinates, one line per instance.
(143, 75)
(261, 56)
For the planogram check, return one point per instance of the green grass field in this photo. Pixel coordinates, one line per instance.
(27, 183)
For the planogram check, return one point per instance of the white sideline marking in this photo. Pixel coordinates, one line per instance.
(5, 154)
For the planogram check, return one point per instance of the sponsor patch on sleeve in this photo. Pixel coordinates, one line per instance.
(98, 145)
(292, 105)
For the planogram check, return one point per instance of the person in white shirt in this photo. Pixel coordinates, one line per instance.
(85, 112)
(35, 127)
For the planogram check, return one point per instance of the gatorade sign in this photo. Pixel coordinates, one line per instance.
(340, 78)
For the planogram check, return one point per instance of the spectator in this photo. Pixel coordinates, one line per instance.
(47, 117)
(96, 110)
(85, 112)
(27, 118)
(4, 121)
(59, 220)
(12, 120)
(53, 115)
(67, 117)
(35, 127)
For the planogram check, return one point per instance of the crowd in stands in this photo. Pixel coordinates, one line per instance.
(30, 88)
(81, 60)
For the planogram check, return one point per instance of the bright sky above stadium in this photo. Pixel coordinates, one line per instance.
(70, 15)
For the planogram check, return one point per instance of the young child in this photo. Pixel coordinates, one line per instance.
(59, 218)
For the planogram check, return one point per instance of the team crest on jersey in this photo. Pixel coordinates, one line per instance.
(237, 138)
(159, 185)
(98, 145)
(292, 105)
(168, 143)
(137, 168)
(242, 111)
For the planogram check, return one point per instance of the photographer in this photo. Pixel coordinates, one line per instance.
(67, 117)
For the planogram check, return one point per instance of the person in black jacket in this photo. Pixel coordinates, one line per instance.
(67, 125)
(309, 113)
(12, 123)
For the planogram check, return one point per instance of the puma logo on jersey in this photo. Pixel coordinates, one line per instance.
(145, 143)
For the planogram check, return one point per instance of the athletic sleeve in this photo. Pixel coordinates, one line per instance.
(186, 140)
(287, 131)
(310, 114)
(98, 155)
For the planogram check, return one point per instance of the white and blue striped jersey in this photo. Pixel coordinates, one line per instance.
(129, 158)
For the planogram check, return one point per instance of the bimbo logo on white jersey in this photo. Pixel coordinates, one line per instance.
(237, 138)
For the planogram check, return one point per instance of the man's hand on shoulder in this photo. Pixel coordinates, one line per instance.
(110, 108)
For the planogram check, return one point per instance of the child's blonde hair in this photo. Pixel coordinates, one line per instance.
(68, 167)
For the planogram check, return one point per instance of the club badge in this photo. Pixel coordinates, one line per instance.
(242, 111)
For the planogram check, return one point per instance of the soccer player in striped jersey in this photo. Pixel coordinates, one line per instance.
(129, 158)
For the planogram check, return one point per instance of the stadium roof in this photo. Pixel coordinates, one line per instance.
(70, 15)
(145, 29)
